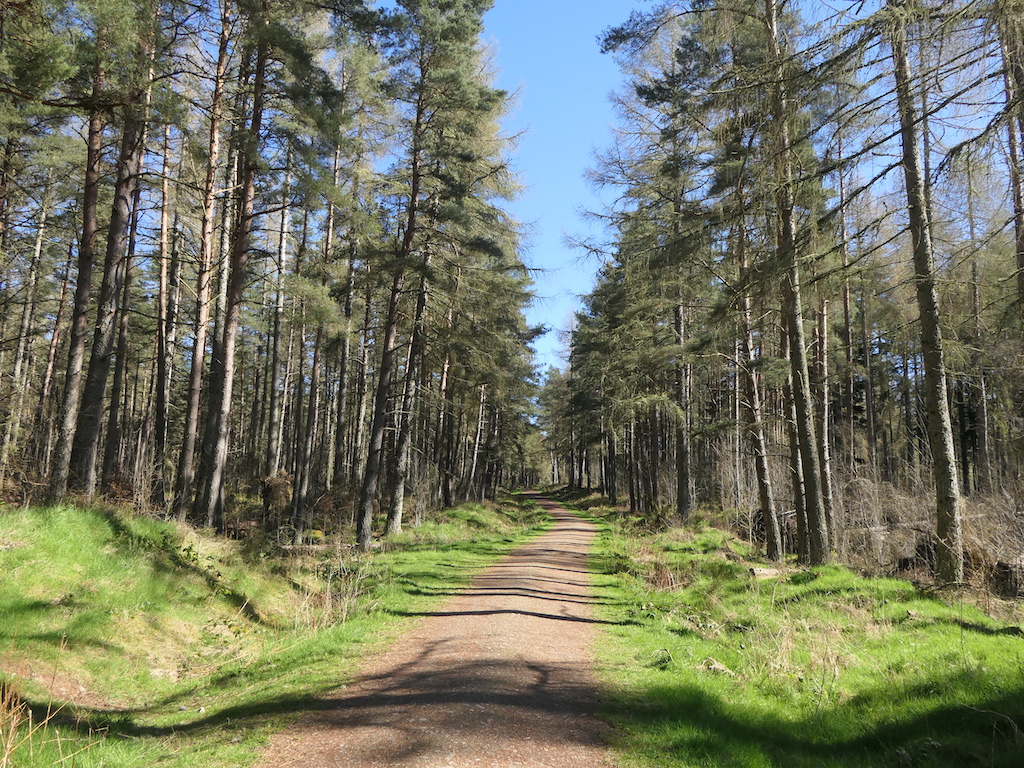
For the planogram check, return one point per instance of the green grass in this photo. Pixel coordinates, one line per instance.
(126, 641)
(707, 665)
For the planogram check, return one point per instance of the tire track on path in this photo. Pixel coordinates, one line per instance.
(500, 675)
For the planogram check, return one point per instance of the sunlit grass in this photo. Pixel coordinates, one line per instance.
(711, 664)
(131, 642)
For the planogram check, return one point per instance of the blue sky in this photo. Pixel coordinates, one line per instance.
(546, 51)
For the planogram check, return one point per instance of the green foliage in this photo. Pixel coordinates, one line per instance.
(33, 56)
(713, 660)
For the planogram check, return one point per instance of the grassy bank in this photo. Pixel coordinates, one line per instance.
(714, 659)
(127, 641)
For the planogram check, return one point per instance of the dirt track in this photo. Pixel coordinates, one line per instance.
(500, 675)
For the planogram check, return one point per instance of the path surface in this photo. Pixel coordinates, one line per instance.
(500, 676)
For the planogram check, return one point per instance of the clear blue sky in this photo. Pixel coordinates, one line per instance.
(547, 52)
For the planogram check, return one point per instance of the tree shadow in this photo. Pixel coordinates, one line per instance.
(689, 720)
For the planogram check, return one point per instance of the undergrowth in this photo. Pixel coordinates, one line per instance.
(130, 641)
(716, 659)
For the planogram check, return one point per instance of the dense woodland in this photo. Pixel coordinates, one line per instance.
(255, 266)
(811, 304)
(255, 270)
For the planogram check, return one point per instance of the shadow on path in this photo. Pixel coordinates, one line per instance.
(499, 675)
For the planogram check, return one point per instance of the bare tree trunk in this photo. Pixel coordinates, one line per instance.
(303, 466)
(612, 470)
(684, 499)
(378, 423)
(375, 454)
(477, 440)
(406, 415)
(824, 415)
(342, 460)
(849, 388)
(22, 352)
(444, 434)
(43, 433)
(112, 443)
(271, 462)
(184, 478)
(1013, 82)
(357, 452)
(817, 529)
(754, 406)
(164, 333)
(209, 503)
(978, 389)
(949, 557)
(870, 413)
(755, 427)
(71, 402)
(796, 466)
(983, 433)
(343, 457)
(85, 446)
(631, 482)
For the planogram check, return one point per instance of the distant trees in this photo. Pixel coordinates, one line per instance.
(306, 260)
(823, 163)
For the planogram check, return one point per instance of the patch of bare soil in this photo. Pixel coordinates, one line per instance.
(59, 687)
(501, 675)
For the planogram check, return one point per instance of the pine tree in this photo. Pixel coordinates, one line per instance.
(438, 74)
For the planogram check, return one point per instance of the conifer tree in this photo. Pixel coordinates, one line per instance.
(446, 101)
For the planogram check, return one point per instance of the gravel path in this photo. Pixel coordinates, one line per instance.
(500, 675)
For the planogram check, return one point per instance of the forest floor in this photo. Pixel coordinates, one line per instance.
(500, 675)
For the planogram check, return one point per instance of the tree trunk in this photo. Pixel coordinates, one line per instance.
(271, 462)
(684, 500)
(978, 389)
(375, 453)
(753, 401)
(43, 433)
(85, 446)
(755, 417)
(112, 444)
(817, 530)
(342, 458)
(378, 423)
(184, 478)
(824, 415)
(357, 450)
(1013, 81)
(444, 434)
(209, 503)
(870, 413)
(477, 440)
(849, 384)
(71, 402)
(406, 415)
(611, 473)
(949, 557)
(796, 467)
(19, 382)
(304, 463)
(164, 333)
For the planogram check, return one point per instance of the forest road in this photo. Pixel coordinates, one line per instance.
(500, 675)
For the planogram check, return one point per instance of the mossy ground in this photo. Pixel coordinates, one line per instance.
(128, 641)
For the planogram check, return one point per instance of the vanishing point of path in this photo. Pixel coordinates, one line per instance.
(500, 675)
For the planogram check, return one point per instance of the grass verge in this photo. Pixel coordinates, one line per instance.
(133, 642)
(716, 659)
